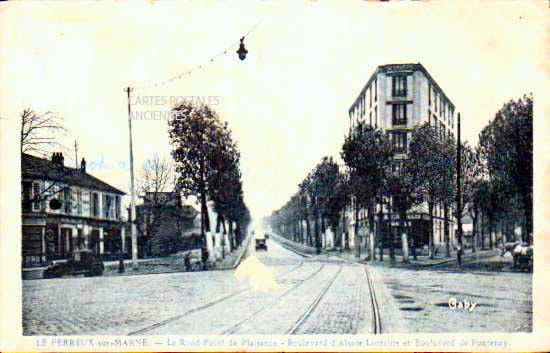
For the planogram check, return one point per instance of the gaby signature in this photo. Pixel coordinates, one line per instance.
(461, 305)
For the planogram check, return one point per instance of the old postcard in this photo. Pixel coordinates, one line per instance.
(274, 176)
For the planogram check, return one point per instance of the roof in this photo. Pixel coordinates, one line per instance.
(162, 198)
(33, 167)
(401, 67)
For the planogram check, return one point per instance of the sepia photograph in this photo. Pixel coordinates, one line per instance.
(296, 175)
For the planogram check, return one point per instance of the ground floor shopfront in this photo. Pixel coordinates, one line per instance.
(46, 238)
(417, 228)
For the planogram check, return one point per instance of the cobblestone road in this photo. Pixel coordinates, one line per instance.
(213, 302)
(504, 302)
(275, 294)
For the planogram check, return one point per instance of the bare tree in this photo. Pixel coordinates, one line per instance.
(38, 132)
(156, 177)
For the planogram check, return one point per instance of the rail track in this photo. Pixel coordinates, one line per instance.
(235, 327)
(202, 307)
(377, 329)
(312, 306)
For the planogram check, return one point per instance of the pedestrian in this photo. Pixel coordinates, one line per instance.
(204, 257)
(459, 255)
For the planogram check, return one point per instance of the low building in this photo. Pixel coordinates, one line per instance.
(64, 209)
(165, 225)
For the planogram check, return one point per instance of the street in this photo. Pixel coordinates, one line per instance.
(213, 302)
(278, 292)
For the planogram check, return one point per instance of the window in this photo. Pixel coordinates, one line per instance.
(107, 206)
(95, 204)
(399, 114)
(36, 206)
(370, 97)
(67, 197)
(370, 118)
(429, 95)
(435, 101)
(399, 86)
(79, 202)
(26, 192)
(117, 207)
(429, 117)
(376, 116)
(376, 90)
(399, 142)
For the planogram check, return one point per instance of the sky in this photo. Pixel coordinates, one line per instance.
(286, 103)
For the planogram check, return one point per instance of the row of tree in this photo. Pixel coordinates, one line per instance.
(380, 178)
(207, 166)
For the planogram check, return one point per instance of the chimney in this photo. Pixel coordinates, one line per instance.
(57, 159)
(83, 165)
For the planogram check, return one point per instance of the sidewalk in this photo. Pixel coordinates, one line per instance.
(169, 264)
(422, 261)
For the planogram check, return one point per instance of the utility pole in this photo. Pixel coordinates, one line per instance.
(132, 187)
(458, 187)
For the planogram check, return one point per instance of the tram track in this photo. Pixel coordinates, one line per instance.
(235, 327)
(202, 307)
(314, 304)
(377, 322)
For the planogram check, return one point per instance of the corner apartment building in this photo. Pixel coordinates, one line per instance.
(396, 98)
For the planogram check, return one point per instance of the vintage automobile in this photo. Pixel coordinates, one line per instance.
(82, 262)
(524, 257)
(261, 244)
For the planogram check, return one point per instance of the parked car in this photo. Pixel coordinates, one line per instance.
(261, 244)
(82, 262)
(525, 259)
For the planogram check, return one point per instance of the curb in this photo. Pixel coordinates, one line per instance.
(240, 257)
(289, 248)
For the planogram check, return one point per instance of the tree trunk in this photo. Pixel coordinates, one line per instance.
(231, 235)
(323, 233)
(404, 239)
(356, 231)
(431, 240)
(390, 231)
(491, 229)
(371, 230)
(474, 216)
(413, 239)
(380, 232)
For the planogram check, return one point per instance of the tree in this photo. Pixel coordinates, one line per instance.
(156, 177)
(225, 182)
(506, 146)
(471, 173)
(367, 153)
(38, 132)
(195, 131)
(426, 166)
(447, 186)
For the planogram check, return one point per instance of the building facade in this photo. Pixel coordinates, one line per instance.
(166, 225)
(397, 98)
(64, 209)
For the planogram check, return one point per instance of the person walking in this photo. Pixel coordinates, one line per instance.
(204, 257)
